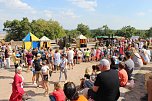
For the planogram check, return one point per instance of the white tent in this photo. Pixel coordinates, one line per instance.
(81, 41)
(44, 38)
(45, 42)
(81, 37)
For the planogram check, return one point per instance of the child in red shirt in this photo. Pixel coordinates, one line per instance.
(58, 93)
(123, 76)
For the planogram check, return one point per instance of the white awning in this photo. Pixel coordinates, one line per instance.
(81, 37)
(44, 38)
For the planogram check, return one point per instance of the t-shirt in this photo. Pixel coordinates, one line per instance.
(129, 64)
(57, 58)
(29, 56)
(79, 53)
(6, 53)
(15, 59)
(70, 54)
(98, 52)
(123, 77)
(37, 64)
(59, 95)
(121, 50)
(43, 56)
(145, 56)
(81, 98)
(63, 63)
(94, 52)
(108, 83)
(44, 69)
(87, 53)
(34, 53)
(137, 60)
(114, 66)
(140, 45)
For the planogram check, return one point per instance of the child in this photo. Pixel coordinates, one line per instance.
(87, 73)
(86, 82)
(123, 76)
(58, 94)
(45, 72)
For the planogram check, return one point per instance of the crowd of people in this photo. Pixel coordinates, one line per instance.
(115, 68)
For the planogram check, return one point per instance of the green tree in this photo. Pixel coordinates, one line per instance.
(149, 33)
(74, 33)
(37, 27)
(84, 29)
(55, 29)
(16, 29)
(127, 32)
(106, 29)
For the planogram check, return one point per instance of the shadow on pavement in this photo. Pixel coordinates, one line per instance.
(6, 77)
(32, 93)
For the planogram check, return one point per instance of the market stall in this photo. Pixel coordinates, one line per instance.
(45, 42)
(81, 41)
(31, 41)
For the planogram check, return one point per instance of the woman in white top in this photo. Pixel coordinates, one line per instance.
(56, 60)
(45, 72)
(136, 58)
(63, 67)
(79, 55)
(144, 56)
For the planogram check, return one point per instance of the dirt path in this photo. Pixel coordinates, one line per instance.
(6, 78)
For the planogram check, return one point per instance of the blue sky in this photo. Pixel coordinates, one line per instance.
(69, 13)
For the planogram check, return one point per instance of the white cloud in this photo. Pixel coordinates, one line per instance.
(87, 4)
(141, 14)
(15, 4)
(48, 13)
(69, 13)
(150, 10)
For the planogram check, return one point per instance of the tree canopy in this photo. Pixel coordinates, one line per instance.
(84, 29)
(18, 29)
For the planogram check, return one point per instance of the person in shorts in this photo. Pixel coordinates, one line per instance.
(57, 60)
(45, 73)
(63, 67)
(15, 59)
(50, 59)
(29, 60)
(34, 75)
(37, 64)
(70, 58)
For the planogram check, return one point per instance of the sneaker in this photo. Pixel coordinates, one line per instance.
(65, 81)
(34, 84)
(37, 85)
